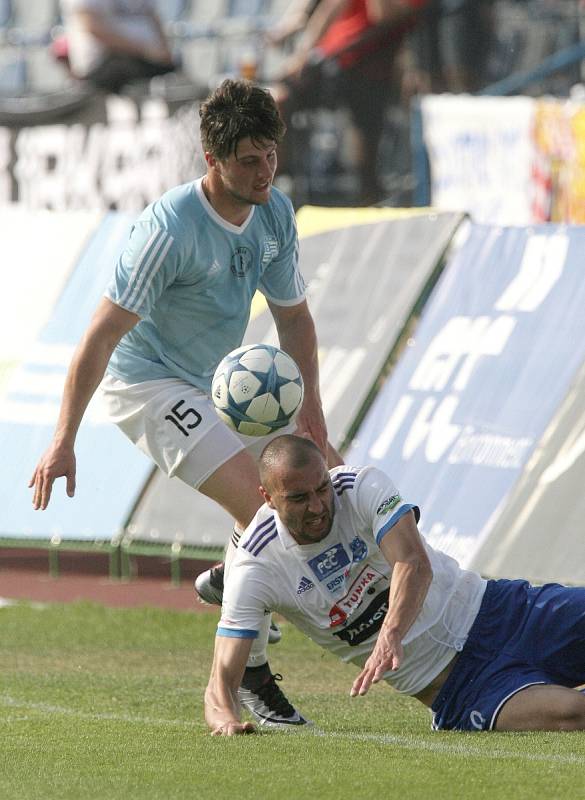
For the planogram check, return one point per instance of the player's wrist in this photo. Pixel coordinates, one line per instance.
(393, 630)
(64, 442)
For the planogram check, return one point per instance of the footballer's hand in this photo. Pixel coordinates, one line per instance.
(386, 655)
(233, 729)
(57, 462)
(311, 423)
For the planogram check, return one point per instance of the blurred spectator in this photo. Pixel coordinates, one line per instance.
(349, 56)
(454, 43)
(111, 43)
(292, 21)
(466, 40)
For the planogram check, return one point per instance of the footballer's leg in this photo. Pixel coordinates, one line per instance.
(543, 707)
(205, 454)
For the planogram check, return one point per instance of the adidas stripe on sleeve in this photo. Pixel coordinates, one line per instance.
(148, 264)
(261, 536)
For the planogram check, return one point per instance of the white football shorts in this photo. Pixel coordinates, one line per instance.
(176, 426)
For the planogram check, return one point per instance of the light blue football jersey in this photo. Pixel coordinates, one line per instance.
(190, 276)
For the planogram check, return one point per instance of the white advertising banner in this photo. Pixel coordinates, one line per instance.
(123, 156)
(481, 155)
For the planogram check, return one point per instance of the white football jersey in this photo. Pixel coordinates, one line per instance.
(336, 591)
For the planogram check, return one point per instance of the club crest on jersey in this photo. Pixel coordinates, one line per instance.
(241, 261)
(388, 504)
(331, 560)
(270, 250)
(359, 549)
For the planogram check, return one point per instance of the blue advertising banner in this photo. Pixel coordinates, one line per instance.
(111, 472)
(493, 357)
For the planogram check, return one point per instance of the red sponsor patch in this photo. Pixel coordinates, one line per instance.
(367, 577)
(348, 604)
(336, 616)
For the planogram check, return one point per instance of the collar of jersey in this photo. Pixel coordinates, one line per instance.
(217, 218)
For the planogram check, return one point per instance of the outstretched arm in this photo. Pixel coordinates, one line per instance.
(108, 325)
(296, 334)
(222, 708)
(315, 26)
(404, 550)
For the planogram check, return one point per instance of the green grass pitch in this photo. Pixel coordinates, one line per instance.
(107, 703)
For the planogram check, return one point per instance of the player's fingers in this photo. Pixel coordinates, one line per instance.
(319, 436)
(33, 479)
(70, 484)
(361, 684)
(36, 498)
(365, 685)
(38, 489)
(355, 686)
(233, 729)
(46, 489)
(221, 730)
(35, 501)
(390, 661)
(380, 671)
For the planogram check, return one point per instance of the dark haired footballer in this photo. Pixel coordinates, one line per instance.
(178, 302)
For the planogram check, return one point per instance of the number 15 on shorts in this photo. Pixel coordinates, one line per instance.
(184, 419)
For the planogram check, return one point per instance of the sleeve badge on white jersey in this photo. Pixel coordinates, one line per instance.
(388, 504)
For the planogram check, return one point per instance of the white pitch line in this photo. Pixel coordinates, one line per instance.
(45, 708)
(452, 749)
(405, 742)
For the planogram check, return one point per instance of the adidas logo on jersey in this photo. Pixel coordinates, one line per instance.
(305, 585)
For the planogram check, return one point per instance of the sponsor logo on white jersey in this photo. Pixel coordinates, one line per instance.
(347, 605)
(337, 581)
(331, 560)
(388, 504)
(365, 624)
(304, 585)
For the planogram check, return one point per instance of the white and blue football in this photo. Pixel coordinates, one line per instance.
(257, 389)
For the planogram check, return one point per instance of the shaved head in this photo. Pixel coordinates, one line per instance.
(287, 452)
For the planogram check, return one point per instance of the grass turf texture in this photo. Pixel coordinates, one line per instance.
(107, 703)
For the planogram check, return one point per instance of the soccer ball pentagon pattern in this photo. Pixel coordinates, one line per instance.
(257, 389)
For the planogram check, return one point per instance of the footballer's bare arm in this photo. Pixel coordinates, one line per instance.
(297, 337)
(108, 324)
(412, 575)
(222, 707)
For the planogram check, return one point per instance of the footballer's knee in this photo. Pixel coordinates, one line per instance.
(571, 714)
(543, 708)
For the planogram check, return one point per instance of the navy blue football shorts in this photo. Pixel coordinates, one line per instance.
(523, 635)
